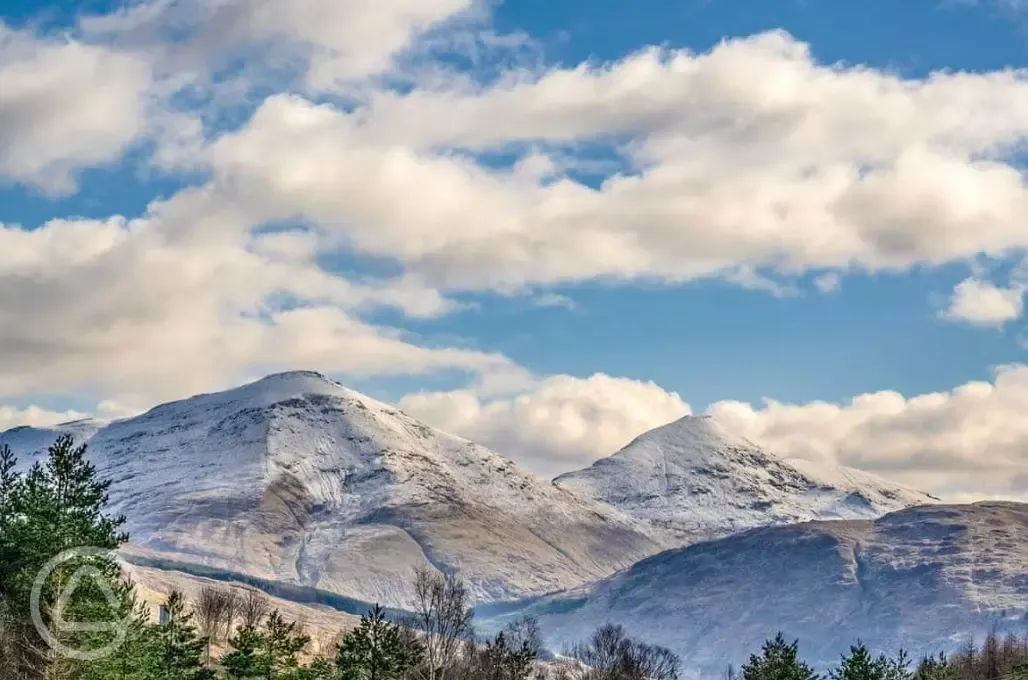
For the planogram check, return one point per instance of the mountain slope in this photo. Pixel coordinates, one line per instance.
(692, 480)
(295, 478)
(925, 579)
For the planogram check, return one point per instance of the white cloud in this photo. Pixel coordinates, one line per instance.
(829, 282)
(34, 416)
(968, 443)
(563, 423)
(327, 45)
(754, 160)
(187, 298)
(554, 300)
(981, 303)
(65, 105)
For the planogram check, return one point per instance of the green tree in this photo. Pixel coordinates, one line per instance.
(377, 649)
(935, 668)
(779, 660)
(269, 653)
(859, 664)
(180, 649)
(245, 660)
(56, 506)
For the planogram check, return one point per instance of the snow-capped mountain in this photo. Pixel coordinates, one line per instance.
(692, 480)
(925, 579)
(297, 479)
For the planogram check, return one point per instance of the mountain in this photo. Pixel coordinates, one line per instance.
(693, 480)
(924, 579)
(296, 479)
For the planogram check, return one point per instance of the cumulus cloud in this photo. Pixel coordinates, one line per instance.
(563, 423)
(747, 160)
(981, 303)
(327, 46)
(65, 105)
(966, 444)
(971, 442)
(34, 416)
(189, 298)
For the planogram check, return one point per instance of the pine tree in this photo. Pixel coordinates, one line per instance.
(283, 643)
(935, 668)
(54, 507)
(245, 661)
(861, 665)
(180, 648)
(376, 650)
(778, 661)
(270, 653)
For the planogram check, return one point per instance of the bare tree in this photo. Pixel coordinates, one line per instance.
(610, 654)
(442, 615)
(215, 610)
(252, 608)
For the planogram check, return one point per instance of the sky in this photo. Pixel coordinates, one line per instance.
(544, 226)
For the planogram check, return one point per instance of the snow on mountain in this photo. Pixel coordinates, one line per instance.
(30, 442)
(692, 480)
(924, 579)
(297, 479)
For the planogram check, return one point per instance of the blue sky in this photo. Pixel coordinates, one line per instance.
(492, 332)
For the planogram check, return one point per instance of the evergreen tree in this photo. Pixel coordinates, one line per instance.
(318, 669)
(271, 653)
(935, 668)
(180, 648)
(778, 661)
(376, 650)
(859, 664)
(54, 507)
(245, 661)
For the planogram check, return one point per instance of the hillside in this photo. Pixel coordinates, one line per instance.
(297, 479)
(924, 579)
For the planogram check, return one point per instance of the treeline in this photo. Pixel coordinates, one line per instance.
(995, 659)
(48, 617)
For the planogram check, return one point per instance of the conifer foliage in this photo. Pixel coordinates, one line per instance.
(377, 650)
(779, 660)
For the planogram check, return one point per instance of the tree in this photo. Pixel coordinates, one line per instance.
(779, 660)
(253, 608)
(610, 654)
(501, 658)
(859, 664)
(181, 649)
(269, 653)
(245, 660)
(215, 610)
(934, 668)
(377, 650)
(442, 615)
(56, 506)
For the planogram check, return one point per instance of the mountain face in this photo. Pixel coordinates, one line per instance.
(924, 579)
(692, 480)
(297, 479)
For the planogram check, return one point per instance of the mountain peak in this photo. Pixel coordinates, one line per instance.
(692, 434)
(693, 479)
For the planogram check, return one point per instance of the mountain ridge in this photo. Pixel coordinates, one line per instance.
(298, 479)
(692, 480)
